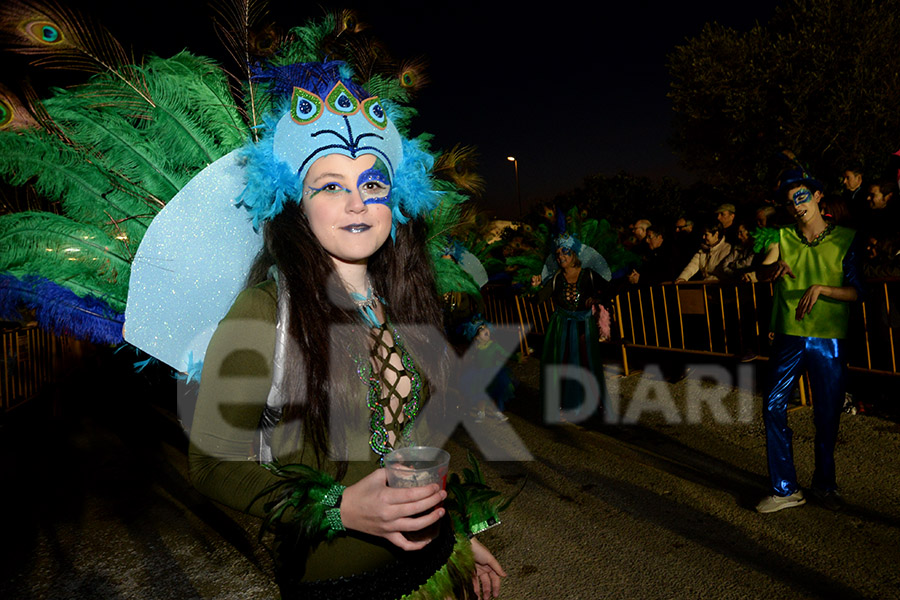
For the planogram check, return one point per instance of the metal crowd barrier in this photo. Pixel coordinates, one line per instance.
(31, 359)
(728, 320)
(711, 319)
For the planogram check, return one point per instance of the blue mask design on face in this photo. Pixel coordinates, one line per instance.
(801, 196)
(374, 184)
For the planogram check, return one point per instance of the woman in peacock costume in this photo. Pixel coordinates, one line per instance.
(576, 276)
(283, 244)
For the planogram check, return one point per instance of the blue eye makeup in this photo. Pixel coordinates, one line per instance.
(328, 188)
(375, 184)
(801, 196)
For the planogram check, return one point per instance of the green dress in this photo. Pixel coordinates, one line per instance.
(573, 337)
(237, 376)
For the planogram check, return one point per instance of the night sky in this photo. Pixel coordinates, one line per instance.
(569, 92)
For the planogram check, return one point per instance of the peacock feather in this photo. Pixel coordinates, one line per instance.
(458, 165)
(14, 114)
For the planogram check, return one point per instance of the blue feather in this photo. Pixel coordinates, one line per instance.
(60, 310)
(412, 185)
(194, 368)
(318, 78)
(270, 182)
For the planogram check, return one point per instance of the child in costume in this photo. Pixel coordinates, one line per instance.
(486, 354)
(815, 266)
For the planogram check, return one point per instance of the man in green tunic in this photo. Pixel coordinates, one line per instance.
(814, 263)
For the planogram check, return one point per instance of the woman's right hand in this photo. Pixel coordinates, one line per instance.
(370, 506)
(535, 280)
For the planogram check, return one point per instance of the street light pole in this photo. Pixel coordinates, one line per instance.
(518, 193)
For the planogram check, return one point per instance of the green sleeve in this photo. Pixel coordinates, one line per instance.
(234, 386)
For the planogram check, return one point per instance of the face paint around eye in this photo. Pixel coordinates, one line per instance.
(328, 188)
(374, 184)
(801, 196)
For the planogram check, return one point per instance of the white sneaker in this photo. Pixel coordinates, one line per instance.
(771, 504)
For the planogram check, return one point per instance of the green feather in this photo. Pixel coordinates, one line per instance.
(387, 88)
(211, 103)
(472, 505)
(450, 277)
(765, 237)
(299, 501)
(454, 579)
(307, 42)
(61, 173)
(104, 137)
(79, 257)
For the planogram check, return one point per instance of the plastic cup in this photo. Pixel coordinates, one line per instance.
(416, 466)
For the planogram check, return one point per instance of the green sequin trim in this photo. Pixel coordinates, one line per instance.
(379, 441)
(333, 519)
(334, 492)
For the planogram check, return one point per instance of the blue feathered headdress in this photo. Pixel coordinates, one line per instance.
(321, 112)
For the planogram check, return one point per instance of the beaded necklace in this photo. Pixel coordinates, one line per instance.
(818, 239)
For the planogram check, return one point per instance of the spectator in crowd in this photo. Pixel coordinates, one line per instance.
(659, 264)
(685, 240)
(684, 225)
(765, 216)
(882, 257)
(883, 208)
(725, 215)
(835, 210)
(741, 263)
(881, 269)
(635, 241)
(708, 262)
(639, 229)
(854, 193)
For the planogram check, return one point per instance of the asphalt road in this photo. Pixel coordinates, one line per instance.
(96, 504)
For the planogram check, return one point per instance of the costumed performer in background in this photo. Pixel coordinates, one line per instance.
(815, 266)
(487, 355)
(578, 287)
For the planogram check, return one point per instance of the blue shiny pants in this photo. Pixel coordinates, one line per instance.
(824, 359)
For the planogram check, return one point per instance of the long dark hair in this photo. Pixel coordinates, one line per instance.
(317, 378)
